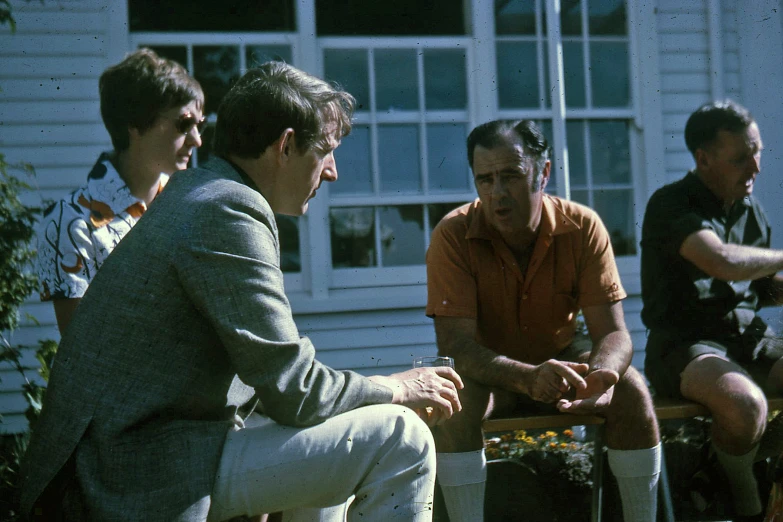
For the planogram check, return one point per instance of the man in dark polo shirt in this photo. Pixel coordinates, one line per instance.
(707, 267)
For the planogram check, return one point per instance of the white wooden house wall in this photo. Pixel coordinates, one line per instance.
(49, 116)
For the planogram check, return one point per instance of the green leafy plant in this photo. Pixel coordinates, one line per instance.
(17, 282)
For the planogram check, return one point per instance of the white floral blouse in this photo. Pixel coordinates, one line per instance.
(78, 233)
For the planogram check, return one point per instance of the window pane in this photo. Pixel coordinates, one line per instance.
(400, 17)
(447, 165)
(444, 79)
(517, 75)
(438, 210)
(580, 196)
(402, 235)
(398, 158)
(288, 228)
(571, 17)
(216, 68)
(515, 17)
(616, 210)
(256, 55)
(395, 80)
(208, 15)
(609, 74)
(353, 237)
(607, 17)
(353, 163)
(577, 167)
(611, 156)
(348, 67)
(574, 74)
(178, 53)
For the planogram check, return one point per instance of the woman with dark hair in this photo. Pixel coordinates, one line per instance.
(152, 110)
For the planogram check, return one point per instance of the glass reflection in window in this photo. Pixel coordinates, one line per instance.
(348, 67)
(447, 166)
(353, 163)
(288, 229)
(616, 210)
(398, 158)
(396, 85)
(611, 155)
(609, 74)
(353, 237)
(216, 68)
(402, 235)
(445, 79)
(517, 75)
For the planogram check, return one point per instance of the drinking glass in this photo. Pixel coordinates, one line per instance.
(426, 361)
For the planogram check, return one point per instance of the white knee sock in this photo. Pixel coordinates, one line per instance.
(739, 473)
(637, 473)
(462, 478)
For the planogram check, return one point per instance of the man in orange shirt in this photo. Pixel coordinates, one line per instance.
(507, 276)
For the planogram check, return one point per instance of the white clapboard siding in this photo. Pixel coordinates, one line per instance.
(685, 81)
(50, 118)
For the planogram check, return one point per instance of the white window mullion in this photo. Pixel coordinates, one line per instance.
(316, 251)
(557, 94)
(485, 102)
(374, 162)
(377, 227)
(540, 62)
(585, 39)
(423, 155)
(588, 162)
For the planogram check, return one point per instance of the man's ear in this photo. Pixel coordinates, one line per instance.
(545, 174)
(285, 145)
(703, 160)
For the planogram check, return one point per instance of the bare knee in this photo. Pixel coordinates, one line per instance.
(631, 420)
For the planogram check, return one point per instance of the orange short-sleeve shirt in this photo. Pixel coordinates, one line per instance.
(471, 272)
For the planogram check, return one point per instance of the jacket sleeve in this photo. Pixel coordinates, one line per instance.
(229, 264)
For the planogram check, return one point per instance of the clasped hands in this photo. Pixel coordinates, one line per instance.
(571, 386)
(430, 391)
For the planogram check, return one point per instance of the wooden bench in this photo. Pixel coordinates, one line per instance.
(665, 409)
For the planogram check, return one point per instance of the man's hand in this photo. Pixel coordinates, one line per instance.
(596, 397)
(552, 378)
(432, 392)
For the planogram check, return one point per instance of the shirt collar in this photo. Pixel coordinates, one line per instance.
(707, 198)
(105, 185)
(553, 221)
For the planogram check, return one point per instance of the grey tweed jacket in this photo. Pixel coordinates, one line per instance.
(138, 404)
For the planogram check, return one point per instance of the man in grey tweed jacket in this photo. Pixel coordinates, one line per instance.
(141, 422)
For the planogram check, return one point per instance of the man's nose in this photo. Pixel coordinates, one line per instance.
(755, 163)
(329, 172)
(498, 187)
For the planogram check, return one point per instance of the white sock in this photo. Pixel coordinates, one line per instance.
(739, 473)
(637, 473)
(462, 478)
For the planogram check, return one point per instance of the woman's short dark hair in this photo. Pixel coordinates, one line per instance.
(709, 119)
(497, 133)
(271, 98)
(138, 89)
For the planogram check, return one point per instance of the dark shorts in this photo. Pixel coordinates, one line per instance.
(667, 354)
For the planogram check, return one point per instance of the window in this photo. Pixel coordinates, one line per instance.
(411, 66)
(597, 129)
(217, 61)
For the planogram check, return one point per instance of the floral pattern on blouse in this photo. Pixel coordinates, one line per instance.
(78, 233)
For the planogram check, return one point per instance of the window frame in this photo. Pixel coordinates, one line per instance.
(320, 287)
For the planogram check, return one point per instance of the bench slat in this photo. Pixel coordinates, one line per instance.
(665, 409)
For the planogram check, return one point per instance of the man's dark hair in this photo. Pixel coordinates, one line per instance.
(274, 97)
(498, 133)
(708, 120)
(138, 89)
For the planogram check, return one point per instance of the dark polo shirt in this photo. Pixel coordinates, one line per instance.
(678, 296)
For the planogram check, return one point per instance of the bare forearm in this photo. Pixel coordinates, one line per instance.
(481, 364)
(745, 263)
(612, 352)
